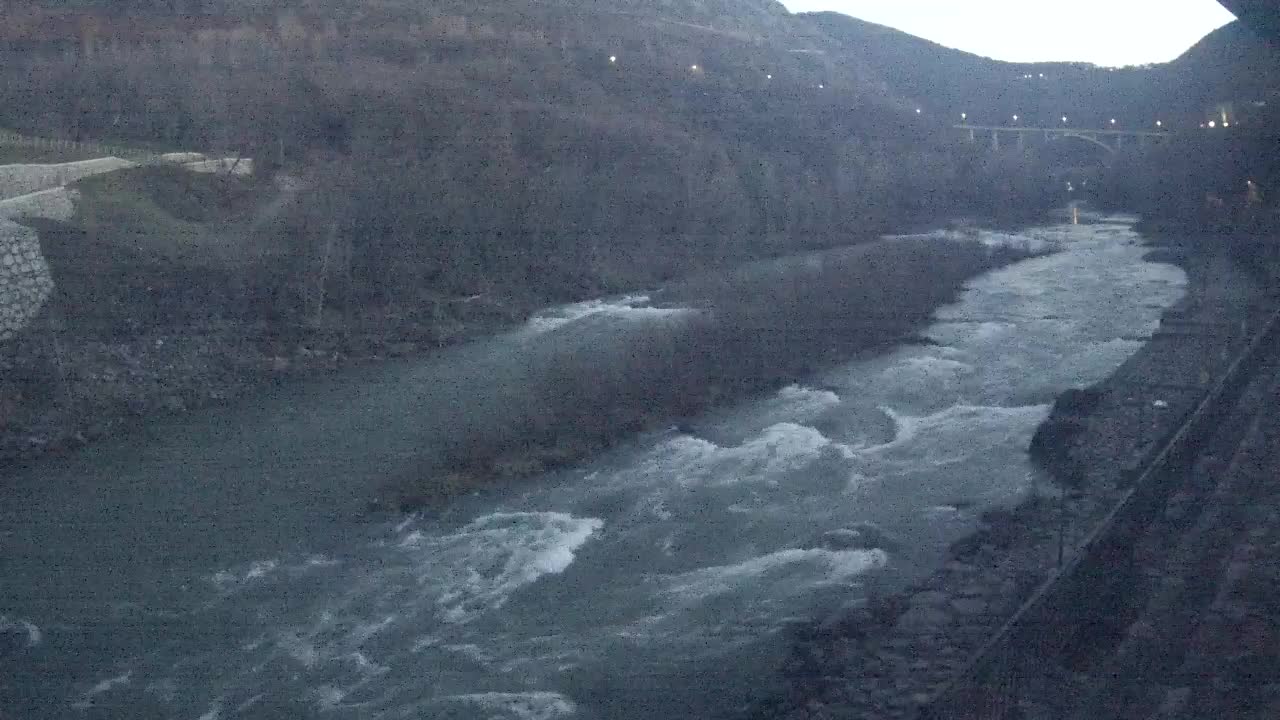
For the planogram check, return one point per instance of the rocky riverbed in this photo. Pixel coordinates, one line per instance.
(886, 656)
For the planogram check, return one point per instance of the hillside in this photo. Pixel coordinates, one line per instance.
(1231, 65)
(950, 82)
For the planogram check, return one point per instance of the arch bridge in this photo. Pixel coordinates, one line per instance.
(1110, 140)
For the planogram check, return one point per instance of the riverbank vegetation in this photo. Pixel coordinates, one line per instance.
(758, 328)
(1209, 193)
(423, 176)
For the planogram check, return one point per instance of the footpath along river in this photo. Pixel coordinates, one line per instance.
(212, 568)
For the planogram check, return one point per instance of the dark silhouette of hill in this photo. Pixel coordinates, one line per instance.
(1233, 64)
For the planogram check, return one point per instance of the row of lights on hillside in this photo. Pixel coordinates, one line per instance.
(613, 60)
(1065, 120)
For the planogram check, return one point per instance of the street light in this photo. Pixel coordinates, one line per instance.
(964, 116)
(1113, 121)
(1213, 124)
(694, 68)
(1015, 118)
(917, 111)
(1159, 123)
(1064, 119)
(613, 58)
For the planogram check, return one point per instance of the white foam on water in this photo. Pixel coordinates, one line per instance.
(227, 581)
(949, 234)
(298, 647)
(783, 566)
(361, 632)
(479, 567)
(470, 651)
(803, 402)
(86, 700)
(960, 419)
(631, 307)
(924, 370)
(328, 697)
(367, 667)
(519, 706)
(905, 429)
(1035, 240)
(250, 702)
(781, 448)
(33, 635)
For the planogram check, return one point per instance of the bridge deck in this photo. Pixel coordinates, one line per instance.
(1065, 130)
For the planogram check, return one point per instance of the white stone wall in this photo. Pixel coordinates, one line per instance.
(25, 280)
(39, 191)
(16, 180)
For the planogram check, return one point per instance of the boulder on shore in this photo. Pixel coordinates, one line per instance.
(1051, 444)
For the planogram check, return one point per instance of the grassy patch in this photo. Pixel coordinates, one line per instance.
(171, 215)
(12, 155)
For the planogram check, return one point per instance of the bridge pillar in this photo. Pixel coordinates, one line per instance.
(995, 140)
(972, 136)
(1022, 141)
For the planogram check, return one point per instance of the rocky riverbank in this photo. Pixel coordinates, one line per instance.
(162, 339)
(885, 657)
(61, 389)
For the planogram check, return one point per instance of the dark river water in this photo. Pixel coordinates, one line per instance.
(211, 568)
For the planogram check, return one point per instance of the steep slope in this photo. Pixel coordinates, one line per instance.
(1233, 64)
(950, 82)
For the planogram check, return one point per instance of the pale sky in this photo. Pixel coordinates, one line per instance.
(1104, 32)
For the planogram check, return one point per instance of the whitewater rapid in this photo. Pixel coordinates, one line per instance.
(658, 580)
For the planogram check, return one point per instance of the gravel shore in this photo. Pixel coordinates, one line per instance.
(885, 657)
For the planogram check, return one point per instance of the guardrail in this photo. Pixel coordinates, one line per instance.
(988, 688)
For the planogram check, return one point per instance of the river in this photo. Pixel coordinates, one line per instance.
(211, 567)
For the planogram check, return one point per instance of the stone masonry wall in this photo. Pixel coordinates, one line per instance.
(25, 280)
(32, 190)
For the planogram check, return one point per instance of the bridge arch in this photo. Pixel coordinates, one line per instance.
(1087, 138)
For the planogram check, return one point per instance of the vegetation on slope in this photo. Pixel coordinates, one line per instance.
(512, 159)
(424, 176)
(760, 327)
